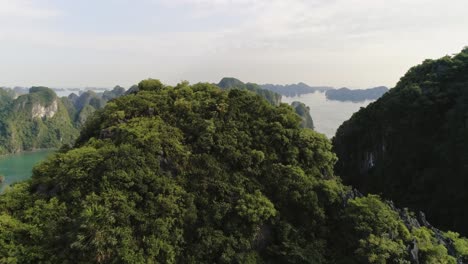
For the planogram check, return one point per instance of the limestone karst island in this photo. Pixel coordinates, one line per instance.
(233, 131)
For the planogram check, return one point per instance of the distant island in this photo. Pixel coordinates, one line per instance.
(294, 89)
(37, 118)
(357, 95)
(272, 97)
(341, 94)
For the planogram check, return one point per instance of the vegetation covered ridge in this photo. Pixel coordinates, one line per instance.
(195, 174)
(412, 144)
(35, 120)
(39, 119)
(272, 97)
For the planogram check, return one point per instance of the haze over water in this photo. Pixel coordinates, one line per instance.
(328, 115)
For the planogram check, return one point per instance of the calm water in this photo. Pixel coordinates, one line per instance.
(328, 115)
(18, 167)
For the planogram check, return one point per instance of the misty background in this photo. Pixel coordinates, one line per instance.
(321, 42)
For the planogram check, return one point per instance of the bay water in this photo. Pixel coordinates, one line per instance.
(328, 115)
(18, 167)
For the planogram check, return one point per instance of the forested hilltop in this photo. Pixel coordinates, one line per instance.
(40, 119)
(233, 83)
(35, 120)
(195, 174)
(272, 97)
(412, 144)
(40, 128)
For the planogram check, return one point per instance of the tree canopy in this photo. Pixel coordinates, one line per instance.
(195, 174)
(412, 144)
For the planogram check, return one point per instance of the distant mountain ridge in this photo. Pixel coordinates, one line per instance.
(356, 95)
(341, 94)
(294, 89)
(233, 83)
(194, 174)
(39, 119)
(272, 97)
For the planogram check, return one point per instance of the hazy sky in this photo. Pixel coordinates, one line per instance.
(354, 43)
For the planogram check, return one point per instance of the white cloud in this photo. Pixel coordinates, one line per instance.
(333, 42)
(24, 9)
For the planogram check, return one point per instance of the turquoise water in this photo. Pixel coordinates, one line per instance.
(18, 167)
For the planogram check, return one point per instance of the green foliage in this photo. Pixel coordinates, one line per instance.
(194, 174)
(43, 95)
(373, 232)
(412, 144)
(381, 249)
(255, 207)
(114, 93)
(232, 83)
(35, 120)
(460, 244)
(273, 98)
(6, 97)
(84, 114)
(150, 85)
(431, 252)
(40, 119)
(304, 112)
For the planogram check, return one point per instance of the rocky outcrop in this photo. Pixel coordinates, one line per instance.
(40, 111)
(412, 221)
(37, 120)
(304, 112)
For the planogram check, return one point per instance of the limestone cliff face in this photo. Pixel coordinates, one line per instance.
(41, 111)
(35, 120)
(411, 145)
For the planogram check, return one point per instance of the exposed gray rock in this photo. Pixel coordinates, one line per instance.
(423, 221)
(413, 250)
(351, 194)
(412, 221)
(40, 111)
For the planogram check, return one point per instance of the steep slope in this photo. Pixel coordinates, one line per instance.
(304, 112)
(412, 144)
(194, 174)
(6, 96)
(35, 120)
(82, 106)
